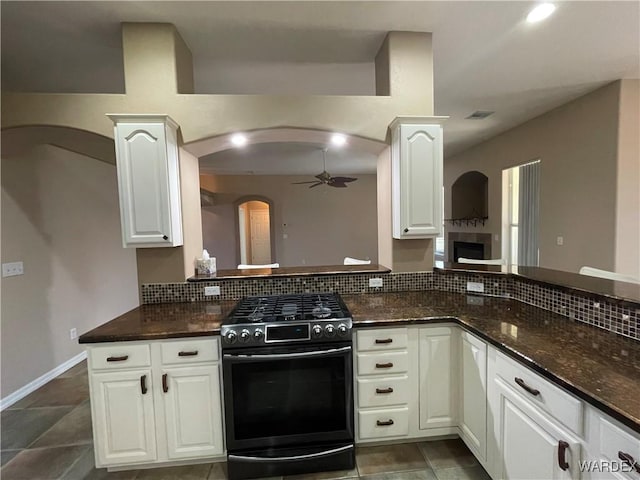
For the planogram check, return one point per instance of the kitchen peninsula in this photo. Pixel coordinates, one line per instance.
(590, 373)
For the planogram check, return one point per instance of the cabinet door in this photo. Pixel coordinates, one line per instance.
(417, 181)
(123, 417)
(147, 178)
(473, 414)
(530, 443)
(193, 411)
(438, 367)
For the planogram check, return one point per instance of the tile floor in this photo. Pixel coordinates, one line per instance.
(47, 435)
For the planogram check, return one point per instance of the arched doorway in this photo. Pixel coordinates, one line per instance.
(255, 232)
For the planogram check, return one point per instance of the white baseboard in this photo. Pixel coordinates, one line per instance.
(38, 382)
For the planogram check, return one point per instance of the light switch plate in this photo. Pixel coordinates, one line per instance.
(477, 287)
(12, 269)
(375, 282)
(209, 291)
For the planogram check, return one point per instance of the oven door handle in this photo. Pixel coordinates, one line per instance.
(309, 456)
(277, 356)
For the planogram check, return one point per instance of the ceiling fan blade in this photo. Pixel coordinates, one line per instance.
(337, 184)
(343, 179)
(316, 184)
(301, 183)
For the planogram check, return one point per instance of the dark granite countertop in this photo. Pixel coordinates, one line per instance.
(598, 366)
(289, 272)
(163, 320)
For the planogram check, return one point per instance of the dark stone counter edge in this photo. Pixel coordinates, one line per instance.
(610, 410)
(285, 272)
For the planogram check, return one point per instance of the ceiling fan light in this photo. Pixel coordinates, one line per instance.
(338, 139)
(239, 139)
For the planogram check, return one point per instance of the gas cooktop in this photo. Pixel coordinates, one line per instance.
(292, 318)
(286, 308)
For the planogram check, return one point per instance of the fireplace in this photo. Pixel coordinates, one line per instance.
(468, 250)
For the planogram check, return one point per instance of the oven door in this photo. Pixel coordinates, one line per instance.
(288, 396)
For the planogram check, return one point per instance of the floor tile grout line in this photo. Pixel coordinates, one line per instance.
(59, 420)
(72, 464)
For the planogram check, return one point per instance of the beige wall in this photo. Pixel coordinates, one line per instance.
(577, 144)
(60, 217)
(322, 224)
(628, 181)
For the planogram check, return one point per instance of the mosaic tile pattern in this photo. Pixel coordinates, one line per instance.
(621, 317)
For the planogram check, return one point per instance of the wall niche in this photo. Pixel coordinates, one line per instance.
(470, 197)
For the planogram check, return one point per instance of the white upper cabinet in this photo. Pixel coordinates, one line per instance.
(416, 156)
(148, 180)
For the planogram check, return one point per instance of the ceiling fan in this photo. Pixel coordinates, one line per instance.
(325, 178)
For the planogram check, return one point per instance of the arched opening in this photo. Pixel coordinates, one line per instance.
(470, 196)
(255, 243)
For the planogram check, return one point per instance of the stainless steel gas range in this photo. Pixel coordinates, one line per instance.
(288, 382)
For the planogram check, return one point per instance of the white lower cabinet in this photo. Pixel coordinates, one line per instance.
(123, 417)
(385, 383)
(169, 411)
(613, 450)
(473, 394)
(438, 370)
(531, 446)
(192, 412)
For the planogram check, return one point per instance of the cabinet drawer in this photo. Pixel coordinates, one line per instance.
(615, 443)
(381, 392)
(119, 355)
(388, 422)
(382, 339)
(189, 351)
(541, 393)
(382, 363)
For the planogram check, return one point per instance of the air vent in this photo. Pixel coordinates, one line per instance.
(479, 115)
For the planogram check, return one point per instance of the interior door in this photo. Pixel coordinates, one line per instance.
(260, 237)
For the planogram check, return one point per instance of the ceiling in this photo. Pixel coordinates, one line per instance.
(486, 57)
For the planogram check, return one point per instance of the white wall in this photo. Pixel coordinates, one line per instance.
(60, 217)
(577, 144)
(322, 224)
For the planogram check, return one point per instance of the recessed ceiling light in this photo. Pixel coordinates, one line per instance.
(338, 139)
(239, 139)
(540, 12)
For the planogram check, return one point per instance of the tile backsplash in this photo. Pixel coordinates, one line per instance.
(621, 317)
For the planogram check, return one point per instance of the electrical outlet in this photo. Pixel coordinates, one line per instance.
(375, 282)
(73, 334)
(560, 241)
(12, 269)
(209, 291)
(477, 287)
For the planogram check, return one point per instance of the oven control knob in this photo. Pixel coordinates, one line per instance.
(329, 330)
(342, 330)
(245, 336)
(231, 337)
(257, 335)
(316, 331)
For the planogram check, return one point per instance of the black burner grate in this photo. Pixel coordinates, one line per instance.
(288, 307)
